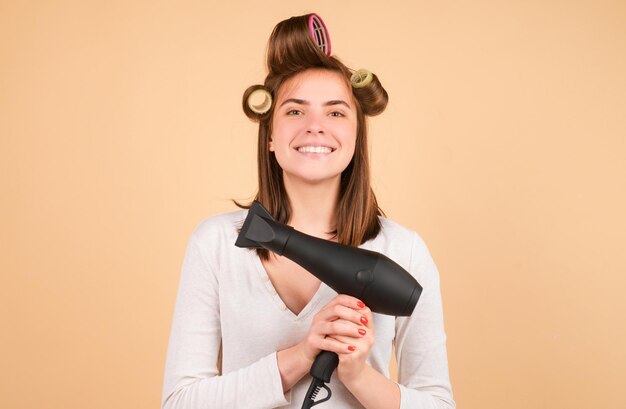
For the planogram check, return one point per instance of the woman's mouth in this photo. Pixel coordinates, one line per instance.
(315, 149)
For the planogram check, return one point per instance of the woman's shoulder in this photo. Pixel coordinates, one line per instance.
(400, 243)
(223, 225)
(392, 228)
(393, 231)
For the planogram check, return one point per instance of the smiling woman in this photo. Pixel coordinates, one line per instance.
(314, 130)
(295, 63)
(314, 175)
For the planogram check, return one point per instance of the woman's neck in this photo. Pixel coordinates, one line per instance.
(313, 206)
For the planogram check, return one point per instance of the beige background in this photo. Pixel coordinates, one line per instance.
(504, 146)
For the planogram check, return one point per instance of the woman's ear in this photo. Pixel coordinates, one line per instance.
(271, 145)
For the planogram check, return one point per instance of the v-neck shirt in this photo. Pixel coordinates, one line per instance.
(227, 305)
(264, 276)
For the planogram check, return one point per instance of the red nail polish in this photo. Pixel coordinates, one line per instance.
(360, 304)
(362, 332)
(351, 348)
(364, 320)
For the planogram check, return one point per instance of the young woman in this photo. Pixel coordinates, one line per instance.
(248, 324)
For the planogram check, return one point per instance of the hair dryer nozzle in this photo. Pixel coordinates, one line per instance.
(247, 235)
(260, 229)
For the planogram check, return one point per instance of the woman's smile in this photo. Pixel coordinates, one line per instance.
(315, 149)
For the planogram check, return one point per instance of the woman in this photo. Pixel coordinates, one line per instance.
(248, 324)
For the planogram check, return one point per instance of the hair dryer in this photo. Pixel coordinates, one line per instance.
(379, 282)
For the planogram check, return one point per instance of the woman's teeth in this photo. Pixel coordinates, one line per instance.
(314, 149)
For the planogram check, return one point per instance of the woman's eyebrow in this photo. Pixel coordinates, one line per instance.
(304, 102)
(295, 100)
(337, 102)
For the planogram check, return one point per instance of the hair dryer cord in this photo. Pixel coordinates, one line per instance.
(309, 400)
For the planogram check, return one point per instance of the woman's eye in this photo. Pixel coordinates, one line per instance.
(294, 112)
(336, 113)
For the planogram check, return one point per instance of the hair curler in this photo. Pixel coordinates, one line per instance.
(320, 34)
(378, 281)
(263, 106)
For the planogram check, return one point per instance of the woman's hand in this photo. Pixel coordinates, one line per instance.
(337, 327)
(341, 326)
(352, 363)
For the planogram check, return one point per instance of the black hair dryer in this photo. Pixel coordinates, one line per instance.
(380, 283)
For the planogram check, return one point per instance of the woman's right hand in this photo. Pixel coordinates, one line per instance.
(340, 316)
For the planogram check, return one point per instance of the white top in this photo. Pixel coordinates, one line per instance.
(226, 298)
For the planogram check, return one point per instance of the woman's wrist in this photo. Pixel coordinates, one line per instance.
(355, 381)
(373, 389)
(293, 365)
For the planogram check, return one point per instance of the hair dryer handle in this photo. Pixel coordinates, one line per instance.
(322, 369)
(324, 366)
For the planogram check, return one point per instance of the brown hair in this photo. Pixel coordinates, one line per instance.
(291, 50)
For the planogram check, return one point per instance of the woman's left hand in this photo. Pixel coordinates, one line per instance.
(352, 363)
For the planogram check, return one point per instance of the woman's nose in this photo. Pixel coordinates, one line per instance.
(315, 125)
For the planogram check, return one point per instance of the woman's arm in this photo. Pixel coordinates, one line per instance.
(293, 365)
(421, 341)
(420, 349)
(367, 385)
(192, 378)
(374, 390)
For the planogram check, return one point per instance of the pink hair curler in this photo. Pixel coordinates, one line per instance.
(319, 32)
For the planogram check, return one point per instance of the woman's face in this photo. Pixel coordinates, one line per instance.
(314, 127)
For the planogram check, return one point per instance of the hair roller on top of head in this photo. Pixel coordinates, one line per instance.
(298, 43)
(319, 32)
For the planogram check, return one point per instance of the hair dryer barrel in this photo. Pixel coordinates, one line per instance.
(378, 281)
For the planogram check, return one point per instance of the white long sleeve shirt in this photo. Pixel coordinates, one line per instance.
(226, 299)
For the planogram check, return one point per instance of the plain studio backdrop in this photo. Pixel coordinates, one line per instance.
(503, 145)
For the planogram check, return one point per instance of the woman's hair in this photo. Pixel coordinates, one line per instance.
(292, 50)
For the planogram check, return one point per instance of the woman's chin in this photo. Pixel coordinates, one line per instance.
(312, 179)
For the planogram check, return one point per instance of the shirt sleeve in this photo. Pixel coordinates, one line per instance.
(421, 341)
(192, 379)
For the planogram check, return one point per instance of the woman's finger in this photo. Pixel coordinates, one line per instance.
(333, 345)
(339, 310)
(342, 327)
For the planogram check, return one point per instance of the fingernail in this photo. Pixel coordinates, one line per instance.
(351, 348)
(360, 304)
(362, 332)
(364, 320)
